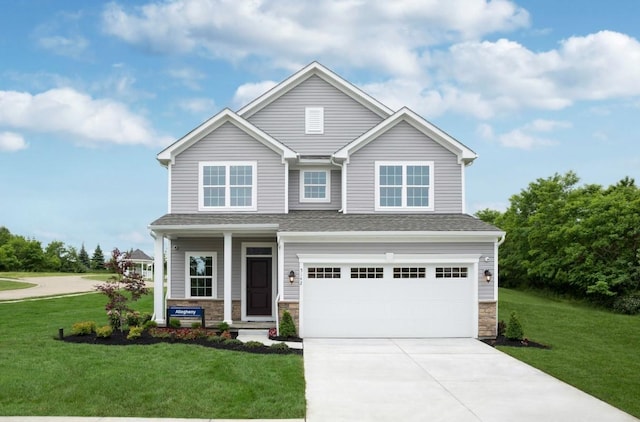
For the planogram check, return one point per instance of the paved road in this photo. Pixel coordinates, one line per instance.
(50, 286)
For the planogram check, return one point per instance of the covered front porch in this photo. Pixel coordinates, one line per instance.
(231, 272)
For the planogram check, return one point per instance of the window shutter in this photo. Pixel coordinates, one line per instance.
(314, 120)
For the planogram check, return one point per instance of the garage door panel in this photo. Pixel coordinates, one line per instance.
(387, 308)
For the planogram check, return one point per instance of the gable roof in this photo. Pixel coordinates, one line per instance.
(139, 255)
(465, 154)
(168, 154)
(325, 74)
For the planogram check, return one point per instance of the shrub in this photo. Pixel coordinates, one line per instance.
(161, 333)
(253, 345)
(105, 331)
(83, 328)
(279, 346)
(223, 326)
(232, 342)
(146, 317)
(273, 332)
(287, 327)
(629, 304)
(215, 339)
(133, 318)
(226, 334)
(514, 329)
(134, 333)
(175, 323)
(196, 324)
(150, 324)
(502, 326)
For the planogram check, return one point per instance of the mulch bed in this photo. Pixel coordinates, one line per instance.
(503, 341)
(120, 339)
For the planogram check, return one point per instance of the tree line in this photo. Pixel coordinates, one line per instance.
(577, 240)
(18, 253)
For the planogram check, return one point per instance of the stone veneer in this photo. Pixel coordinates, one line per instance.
(213, 308)
(487, 320)
(294, 310)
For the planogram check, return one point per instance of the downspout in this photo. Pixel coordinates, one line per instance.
(343, 184)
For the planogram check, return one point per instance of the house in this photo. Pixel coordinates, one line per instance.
(318, 199)
(142, 264)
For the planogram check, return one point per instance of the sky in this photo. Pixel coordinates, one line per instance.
(91, 91)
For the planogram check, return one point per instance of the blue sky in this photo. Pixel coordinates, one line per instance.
(90, 92)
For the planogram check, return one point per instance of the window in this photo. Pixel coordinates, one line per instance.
(315, 186)
(200, 277)
(314, 120)
(323, 272)
(451, 272)
(227, 185)
(404, 185)
(409, 272)
(368, 272)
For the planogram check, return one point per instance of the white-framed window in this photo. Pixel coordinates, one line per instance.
(367, 272)
(200, 274)
(405, 185)
(323, 272)
(314, 120)
(451, 272)
(229, 185)
(315, 185)
(409, 272)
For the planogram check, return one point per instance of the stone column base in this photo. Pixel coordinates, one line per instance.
(487, 320)
(294, 310)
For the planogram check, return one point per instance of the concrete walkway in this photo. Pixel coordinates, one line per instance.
(50, 286)
(458, 380)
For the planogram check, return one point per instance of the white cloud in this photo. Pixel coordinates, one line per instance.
(541, 125)
(198, 105)
(64, 46)
(188, 77)
(388, 35)
(526, 136)
(11, 142)
(519, 138)
(250, 91)
(485, 131)
(70, 113)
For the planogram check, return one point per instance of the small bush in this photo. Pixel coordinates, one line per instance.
(253, 345)
(287, 327)
(279, 346)
(223, 326)
(196, 324)
(146, 317)
(232, 342)
(150, 324)
(175, 323)
(134, 333)
(226, 334)
(83, 328)
(161, 333)
(502, 327)
(514, 329)
(133, 319)
(104, 332)
(629, 305)
(215, 339)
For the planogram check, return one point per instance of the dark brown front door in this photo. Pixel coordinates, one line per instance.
(259, 286)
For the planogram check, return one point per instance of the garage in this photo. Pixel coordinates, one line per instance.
(417, 298)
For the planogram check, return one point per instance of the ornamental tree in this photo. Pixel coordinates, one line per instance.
(123, 287)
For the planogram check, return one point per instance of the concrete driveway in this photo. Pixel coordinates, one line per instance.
(436, 380)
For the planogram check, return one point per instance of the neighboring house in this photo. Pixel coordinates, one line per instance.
(142, 264)
(318, 199)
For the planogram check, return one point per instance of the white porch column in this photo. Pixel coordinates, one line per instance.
(228, 306)
(158, 279)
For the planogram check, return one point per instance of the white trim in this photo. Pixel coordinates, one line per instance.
(187, 274)
(286, 187)
(391, 237)
(343, 206)
(280, 273)
(227, 196)
(463, 181)
(169, 188)
(327, 190)
(387, 259)
(474, 310)
(404, 186)
(275, 281)
(228, 271)
(494, 279)
(314, 120)
(325, 74)
(465, 155)
(159, 301)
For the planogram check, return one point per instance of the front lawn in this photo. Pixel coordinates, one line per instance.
(593, 350)
(42, 376)
(14, 285)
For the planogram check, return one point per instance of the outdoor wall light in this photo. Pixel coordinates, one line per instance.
(487, 275)
(292, 276)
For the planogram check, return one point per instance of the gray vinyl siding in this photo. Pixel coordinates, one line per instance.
(404, 142)
(216, 244)
(344, 118)
(228, 143)
(294, 193)
(291, 250)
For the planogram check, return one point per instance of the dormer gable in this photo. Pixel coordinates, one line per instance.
(465, 155)
(168, 155)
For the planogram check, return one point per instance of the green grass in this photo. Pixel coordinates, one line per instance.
(14, 285)
(98, 277)
(27, 274)
(42, 376)
(592, 349)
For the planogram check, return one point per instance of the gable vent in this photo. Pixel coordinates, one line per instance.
(314, 120)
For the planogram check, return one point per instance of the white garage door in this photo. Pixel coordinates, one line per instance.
(389, 301)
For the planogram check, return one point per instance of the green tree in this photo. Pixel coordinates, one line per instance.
(53, 253)
(97, 260)
(83, 256)
(5, 235)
